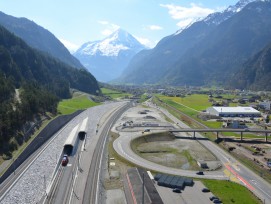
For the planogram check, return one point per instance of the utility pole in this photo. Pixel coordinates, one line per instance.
(13, 164)
(143, 188)
(44, 184)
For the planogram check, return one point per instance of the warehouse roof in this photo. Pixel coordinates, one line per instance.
(238, 109)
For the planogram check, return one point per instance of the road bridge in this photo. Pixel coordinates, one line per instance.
(218, 130)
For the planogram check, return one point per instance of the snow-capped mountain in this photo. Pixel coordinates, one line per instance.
(107, 58)
(219, 17)
(208, 51)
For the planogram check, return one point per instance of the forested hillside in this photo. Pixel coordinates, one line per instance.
(39, 38)
(207, 52)
(255, 73)
(41, 81)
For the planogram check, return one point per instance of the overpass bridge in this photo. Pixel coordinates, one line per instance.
(218, 130)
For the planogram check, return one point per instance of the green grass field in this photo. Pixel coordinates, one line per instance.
(143, 98)
(231, 193)
(197, 102)
(114, 94)
(191, 105)
(79, 102)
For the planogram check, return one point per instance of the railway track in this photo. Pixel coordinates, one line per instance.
(19, 172)
(91, 192)
(62, 187)
(55, 186)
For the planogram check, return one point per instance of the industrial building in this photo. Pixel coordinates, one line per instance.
(233, 111)
(266, 105)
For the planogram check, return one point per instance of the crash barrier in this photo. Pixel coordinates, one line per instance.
(54, 126)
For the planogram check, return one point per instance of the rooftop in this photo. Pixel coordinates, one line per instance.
(238, 109)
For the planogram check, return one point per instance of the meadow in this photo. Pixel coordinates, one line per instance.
(77, 102)
(114, 94)
(229, 192)
(192, 105)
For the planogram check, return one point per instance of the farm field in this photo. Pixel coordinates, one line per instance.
(78, 102)
(192, 105)
(114, 94)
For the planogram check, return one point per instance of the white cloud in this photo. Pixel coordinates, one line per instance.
(106, 32)
(145, 41)
(103, 22)
(186, 15)
(69, 45)
(155, 27)
(185, 22)
(110, 28)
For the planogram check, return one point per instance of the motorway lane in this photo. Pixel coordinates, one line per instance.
(248, 178)
(251, 180)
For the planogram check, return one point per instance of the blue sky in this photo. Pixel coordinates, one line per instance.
(75, 22)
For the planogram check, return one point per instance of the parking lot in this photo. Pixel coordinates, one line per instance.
(190, 195)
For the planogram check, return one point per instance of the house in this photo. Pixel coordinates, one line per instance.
(266, 105)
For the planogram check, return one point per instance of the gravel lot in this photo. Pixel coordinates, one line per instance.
(170, 152)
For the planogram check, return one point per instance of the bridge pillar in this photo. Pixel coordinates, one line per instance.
(194, 135)
(266, 134)
(217, 135)
(241, 136)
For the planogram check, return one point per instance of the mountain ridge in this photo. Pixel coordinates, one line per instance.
(22, 63)
(39, 38)
(204, 53)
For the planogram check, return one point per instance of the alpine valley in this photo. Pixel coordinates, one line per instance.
(212, 51)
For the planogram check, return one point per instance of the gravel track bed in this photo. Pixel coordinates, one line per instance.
(30, 187)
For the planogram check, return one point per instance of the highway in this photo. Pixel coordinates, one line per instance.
(252, 181)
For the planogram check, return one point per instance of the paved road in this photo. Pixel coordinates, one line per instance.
(122, 146)
(252, 181)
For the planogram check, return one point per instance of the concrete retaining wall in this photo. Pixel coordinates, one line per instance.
(54, 126)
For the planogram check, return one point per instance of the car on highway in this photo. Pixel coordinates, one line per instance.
(65, 160)
(205, 190)
(176, 190)
(200, 173)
